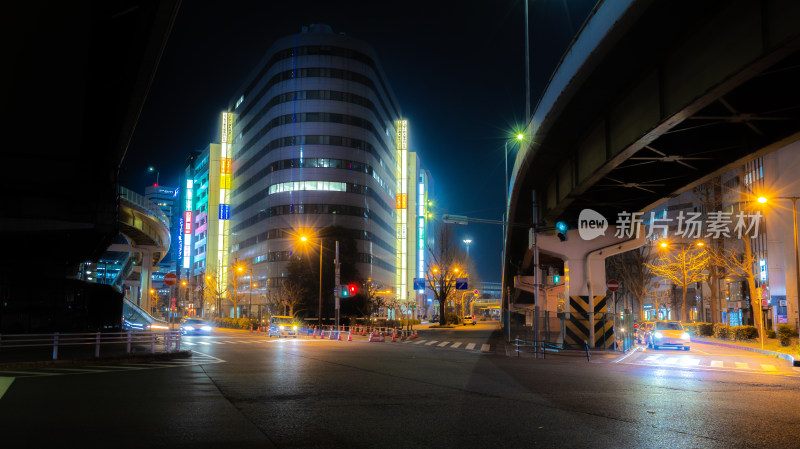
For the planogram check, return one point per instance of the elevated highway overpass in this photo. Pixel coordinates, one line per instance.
(651, 99)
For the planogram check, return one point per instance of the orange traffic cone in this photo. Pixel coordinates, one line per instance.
(339, 335)
(349, 337)
(393, 336)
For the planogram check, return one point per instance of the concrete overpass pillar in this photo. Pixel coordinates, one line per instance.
(145, 281)
(585, 282)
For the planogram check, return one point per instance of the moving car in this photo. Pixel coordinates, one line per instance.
(195, 326)
(468, 319)
(282, 326)
(669, 334)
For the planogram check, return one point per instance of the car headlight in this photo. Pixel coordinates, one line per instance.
(280, 327)
(188, 328)
(658, 335)
(685, 336)
(206, 328)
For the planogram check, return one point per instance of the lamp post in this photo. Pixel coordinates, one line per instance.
(467, 242)
(793, 199)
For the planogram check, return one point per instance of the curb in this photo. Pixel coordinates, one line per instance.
(183, 354)
(779, 355)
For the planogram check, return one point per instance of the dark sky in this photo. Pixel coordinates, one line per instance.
(456, 67)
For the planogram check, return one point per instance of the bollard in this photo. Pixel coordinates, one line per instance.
(587, 350)
(152, 342)
(129, 342)
(517, 344)
(97, 345)
(55, 346)
(178, 342)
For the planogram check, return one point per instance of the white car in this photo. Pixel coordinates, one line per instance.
(468, 319)
(282, 326)
(668, 334)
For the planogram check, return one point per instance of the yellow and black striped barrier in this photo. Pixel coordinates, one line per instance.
(577, 326)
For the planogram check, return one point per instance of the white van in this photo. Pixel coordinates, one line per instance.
(282, 326)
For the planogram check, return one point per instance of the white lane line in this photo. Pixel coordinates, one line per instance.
(228, 341)
(740, 365)
(442, 344)
(420, 342)
(485, 347)
(431, 342)
(716, 363)
(671, 361)
(5, 382)
(768, 367)
(34, 373)
(455, 345)
(470, 347)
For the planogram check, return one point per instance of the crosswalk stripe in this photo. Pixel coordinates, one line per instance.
(671, 361)
(740, 365)
(768, 368)
(651, 358)
(5, 382)
(690, 362)
(228, 341)
(455, 345)
(203, 342)
(420, 342)
(444, 343)
(716, 363)
(485, 347)
(470, 347)
(431, 342)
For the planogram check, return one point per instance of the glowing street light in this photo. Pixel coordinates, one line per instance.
(793, 199)
(467, 242)
(152, 169)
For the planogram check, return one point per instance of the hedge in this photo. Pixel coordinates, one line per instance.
(700, 329)
(235, 323)
(738, 333)
(785, 333)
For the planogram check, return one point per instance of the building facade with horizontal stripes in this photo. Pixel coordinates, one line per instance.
(314, 145)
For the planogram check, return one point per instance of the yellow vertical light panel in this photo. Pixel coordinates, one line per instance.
(225, 175)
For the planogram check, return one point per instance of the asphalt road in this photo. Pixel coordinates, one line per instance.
(242, 390)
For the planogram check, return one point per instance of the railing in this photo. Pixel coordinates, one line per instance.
(144, 204)
(542, 347)
(168, 341)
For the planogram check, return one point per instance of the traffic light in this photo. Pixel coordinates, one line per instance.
(556, 279)
(343, 291)
(352, 289)
(561, 227)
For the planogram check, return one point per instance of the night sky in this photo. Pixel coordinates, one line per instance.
(456, 68)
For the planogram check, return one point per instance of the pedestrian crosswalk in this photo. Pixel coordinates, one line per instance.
(690, 361)
(484, 347)
(193, 344)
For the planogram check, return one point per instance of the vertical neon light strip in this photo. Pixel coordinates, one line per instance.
(225, 174)
(421, 232)
(187, 231)
(402, 213)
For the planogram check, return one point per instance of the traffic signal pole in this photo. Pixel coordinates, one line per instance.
(337, 291)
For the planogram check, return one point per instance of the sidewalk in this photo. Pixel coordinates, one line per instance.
(794, 359)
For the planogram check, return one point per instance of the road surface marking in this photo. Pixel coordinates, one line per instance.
(5, 382)
(768, 368)
(690, 361)
(431, 342)
(652, 357)
(470, 347)
(740, 365)
(444, 343)
(716, 363)
(455, 345)
(701, 352)
(186, 343)
(420, 342)
(485, 347)
(228, 341)
(671, 361)
(203, 342)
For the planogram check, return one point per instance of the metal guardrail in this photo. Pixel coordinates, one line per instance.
(169, 341)
(541, 347)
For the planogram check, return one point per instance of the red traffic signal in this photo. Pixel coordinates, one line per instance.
(352, 289)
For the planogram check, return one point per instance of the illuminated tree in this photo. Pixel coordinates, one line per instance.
(443, 269)
(634, 273)
(682, 266)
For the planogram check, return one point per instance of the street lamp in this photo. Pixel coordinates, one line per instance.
(250, 283)
(794, 199)
(305, 239)
(467, 242)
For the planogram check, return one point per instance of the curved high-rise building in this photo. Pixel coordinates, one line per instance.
(314, 145)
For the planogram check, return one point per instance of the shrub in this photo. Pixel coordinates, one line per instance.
(705, 329)
(452, 318)
(771, 333)
(742, 333)
(722, 331)
(785, 334)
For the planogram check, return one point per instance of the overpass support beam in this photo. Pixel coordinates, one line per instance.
(145, 281)
(585, 282)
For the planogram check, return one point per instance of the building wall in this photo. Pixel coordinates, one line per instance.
(314, 146)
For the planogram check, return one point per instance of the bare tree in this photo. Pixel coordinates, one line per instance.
(293, 296)
(738, 260)
(636, 276)
(683, 267)
(214, 291)
(710, 195)
(441, 271)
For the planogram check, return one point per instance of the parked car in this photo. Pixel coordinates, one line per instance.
(468, 319)
(195, 326)
(669, 334)
(282, 326)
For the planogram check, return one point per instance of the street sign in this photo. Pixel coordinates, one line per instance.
(170, 279)
(461, 220)
(419, 284)
(612, 285)
(461, 284)
(476, 292)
